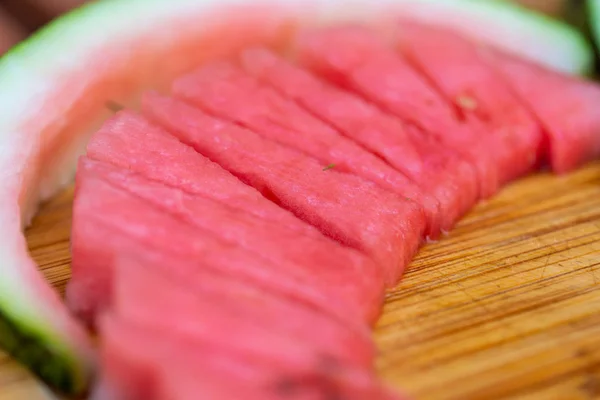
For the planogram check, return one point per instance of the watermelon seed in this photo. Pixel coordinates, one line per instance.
(466, 103)
(113, 106)
(330, 166)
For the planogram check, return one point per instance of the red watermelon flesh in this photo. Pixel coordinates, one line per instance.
(437, 171)
(99, 205)
(187, 317)
(480, 95)
(325, 260)
(227, 91)
(355, 58)
(129, 141)
(243, 302)
(140, 360)
(139, 364)
(354, 211)
(566, 107)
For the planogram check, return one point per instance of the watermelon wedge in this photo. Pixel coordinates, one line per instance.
(565, 106)
(194, 318)
(299, 183)
(131, 142)
(98, 231)
(480, 96)
(437, 171)
(139, 368)
(338, 268)
(134, 360)
(227, 91)
(355, 58)
(55, 87)
(193, 297)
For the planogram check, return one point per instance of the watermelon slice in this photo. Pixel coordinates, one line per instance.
(227, 91)
(434, 169)
(355, 58)
(140, 361)
(98, 231)
(480, 96)
(194, 319)
(135, 359)
(340, 205)
(132, 142)
(245, 304)
(334, 266)
(55, 87)
(565, 106)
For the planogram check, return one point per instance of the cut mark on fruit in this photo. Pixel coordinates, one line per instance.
(328, 167)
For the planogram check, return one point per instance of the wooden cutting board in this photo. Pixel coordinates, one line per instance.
(507, 306)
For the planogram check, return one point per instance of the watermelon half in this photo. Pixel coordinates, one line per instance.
(56, 87)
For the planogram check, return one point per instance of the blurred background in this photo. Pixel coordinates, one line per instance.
(19, 18)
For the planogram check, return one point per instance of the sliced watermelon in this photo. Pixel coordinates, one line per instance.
(332, 265)
(355, 58)
(140, 361)
(246, 304)
(347, 208)
(99, 212)
(55, 87)
(565, 106)
(436, 170)
(135, 359)
(130, 141)
(194, 319)
(227, 91)
(480, 96)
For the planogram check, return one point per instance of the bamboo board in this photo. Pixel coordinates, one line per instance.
(506, 307)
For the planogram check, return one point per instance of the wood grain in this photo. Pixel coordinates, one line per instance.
(506, 307)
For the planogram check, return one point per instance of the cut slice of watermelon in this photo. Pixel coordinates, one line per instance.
(243, 302)
(55, 87)
(139, 360)
(131, 142)
(345, 272)
(565, 106)
(196, 319)
(98, 233)
(480, 96)
(357, 59)
(135, 359)
(225, 90)
(349, 209)
(438, 171)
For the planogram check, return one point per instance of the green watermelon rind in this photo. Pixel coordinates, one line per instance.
(593, 11)
(33, 346)
(36, 335)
